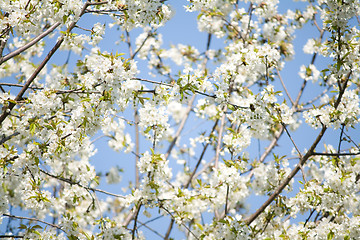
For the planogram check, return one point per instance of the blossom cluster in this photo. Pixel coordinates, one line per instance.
(207, 131)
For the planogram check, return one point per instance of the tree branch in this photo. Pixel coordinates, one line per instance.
(135, 220)
(78, 184)
(7, 110)
(11, 236)
(283, 84)
(33, 219)
(335, 154)
(308, 154)
(29, 44)
(182, 124)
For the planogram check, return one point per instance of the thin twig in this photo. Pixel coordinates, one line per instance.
(172, 217)
(307, 220)
(340, 138)
(7, 110)
(250, 11)
(305, 81)
(104, 13)
(151, 229)
(207, 165)
(97, 3)
(3, 41)
(355, 144)
(33, 219)
(142, 44)
(196, 91)
(292, 141)
(316, 25)
(226, 199)
(151, 220)
(19, 85)
(128, 41)
(335, 154)
(78, 184)
(181, 126)
(283, 85)
(11, 236)
(297, 149)
(137, 148)
(201, 156)
(219, 142)
(87, 30)
(317, 97)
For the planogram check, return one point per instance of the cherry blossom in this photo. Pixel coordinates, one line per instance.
(215, 139)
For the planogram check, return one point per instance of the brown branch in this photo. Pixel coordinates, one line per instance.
(78, 184)
(11, 236)
(317, 97)
(283, 85)
(3, 41)
(294, 107)
(11, 105)
(33, 219)
(128, 41)
(97, 3)
(151, 229)
(227, 199)
(182, 124)
(250, 11)
(201, 156)
(218, 145)
(172, 217)
(297, 149)
(292, 141)
(305, 81)
(29, 44)
(308, 154)
(335, 154)
(135, 220)
(141, 46)
(7, 110)
(311, 213)
(19, 85)
(137, 148)
(129, 217)
(169, 229)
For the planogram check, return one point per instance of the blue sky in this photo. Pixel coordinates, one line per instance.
(182, 29)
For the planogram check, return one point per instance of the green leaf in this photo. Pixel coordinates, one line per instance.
(32, 128)
(147, 130)
(22, 226)
(330, 235)
(36, 227)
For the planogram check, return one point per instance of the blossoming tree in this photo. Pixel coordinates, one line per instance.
(52, 114)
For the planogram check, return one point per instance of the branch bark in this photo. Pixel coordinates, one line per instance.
(7, 110)
(29, 44)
